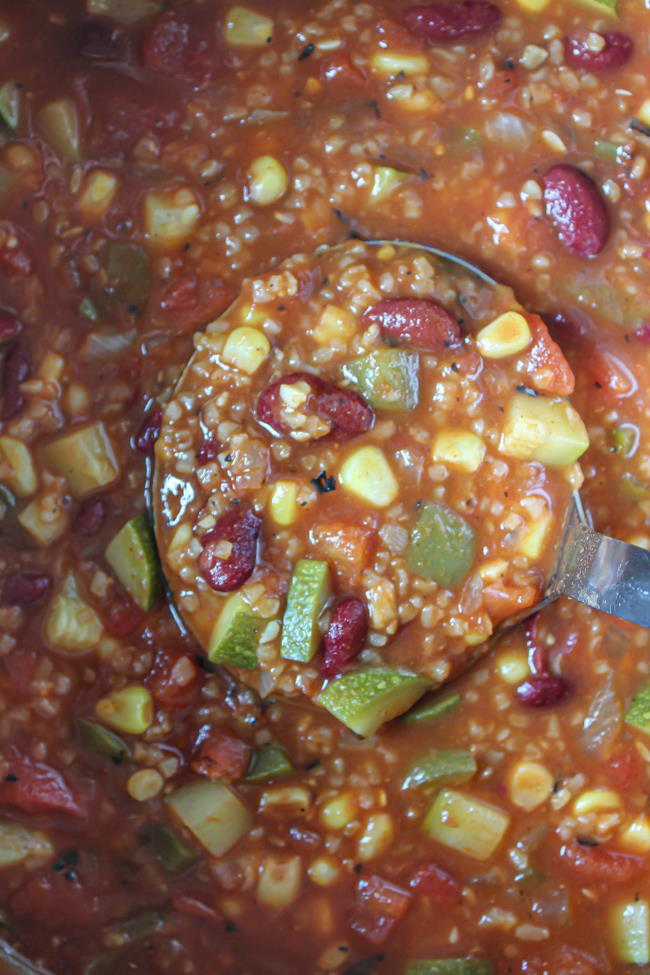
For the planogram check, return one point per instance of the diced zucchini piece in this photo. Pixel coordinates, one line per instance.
(269, 762)
(547, 430)
(630, 931)
(384, 179)
(124, 11)
(365, 699)
(432, 709)
(129, 273)
(44, 522)
(88, 309)
(10, 105)
(449, 766)
(133, 557)
(388, 378)
(283, 502)
(267, 181)
(59, 125)
(7, 501)
(368, 476)
(247, 28)
(459, 448)
(506, 335)
(466, 824)
(71, 624)
(170, 216)
(246, 349)
(85, 458)
(450, 966)
(388, 63)
(625, 439)
(129, 710)
(602, 7)
(212, 813)
(17, 469)
(638, 713)
(534, 537)
(173, 853)
(442, 546)
(605, 149)
(19, 843)
(309, 591)
(97, 193)
(235, 637)
(102, 741)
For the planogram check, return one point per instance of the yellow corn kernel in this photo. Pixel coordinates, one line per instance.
(145, 784)
(387, 63)
(246, 349)
(338, 812)
(283, 502)
(97, 194)
(246, 28)
(385, 179)
(533, 6)
(336, 325)
(538, 428)
(367, 474)
(268, 181)
(410, 99)
(644, 112)
(17, 469)
(493, 571)
(512, 667)
(124, 11)
(529, 785)
(76, 399)
(506, 335)
(596, 801)
(129, 710)
(324, 871)
(376, 837)
(481, 630)
(535, 535)
(170, 216)
(459, 448)
(20, 843)
(279, 881)
(51, 368)
(636, 835)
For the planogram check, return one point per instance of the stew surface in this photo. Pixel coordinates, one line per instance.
(171, 800)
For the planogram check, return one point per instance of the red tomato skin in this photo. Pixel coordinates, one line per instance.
(174, 680)
(222, 754)
(434, 883)
(597, 864)
(35, 788)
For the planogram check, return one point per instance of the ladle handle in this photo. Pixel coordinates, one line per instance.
(602, 572)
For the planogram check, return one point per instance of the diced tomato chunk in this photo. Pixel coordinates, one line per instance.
(436, 884)
(174, 680)
(609, 374)
(599, 865)
(549, 371)
(123, 617)
(338, 69)
(349, 548)
(191, 301)
(222, 754)
(625, 768)
(379, 906)
(15, 259)
(179, 47)
(504, 601)
(34, 787)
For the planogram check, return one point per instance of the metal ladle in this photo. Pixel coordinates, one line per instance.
(602, 572)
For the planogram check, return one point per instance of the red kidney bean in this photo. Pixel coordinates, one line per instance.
(10, 326)
(15, 371)
(241, 527)
(90, 517)
(448, 20)
(577, 210)
(24, 588)
(616, 52)
(208, 450)
(415, 321)
(346, 413)
(345, 636)
(148, 432)
(543, 691)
